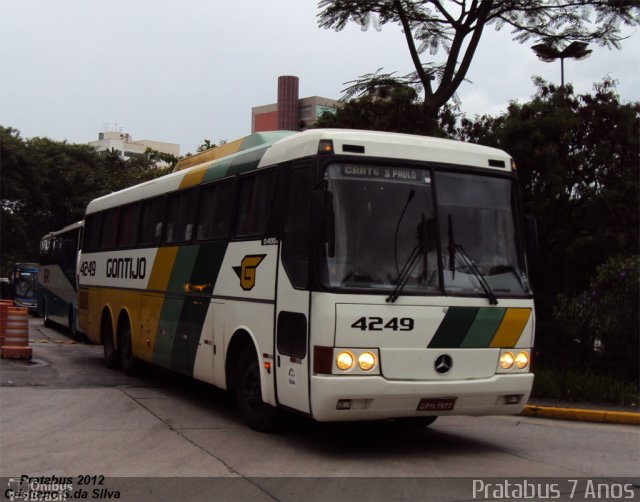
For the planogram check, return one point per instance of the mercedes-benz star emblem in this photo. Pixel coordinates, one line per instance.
(443, 364)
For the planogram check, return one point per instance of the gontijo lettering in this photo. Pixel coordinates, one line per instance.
(127, 268)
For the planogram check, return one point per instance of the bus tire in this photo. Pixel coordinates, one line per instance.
(129, 363)
(45, 314)
(73, 332)
(256, 414)
(111, 354)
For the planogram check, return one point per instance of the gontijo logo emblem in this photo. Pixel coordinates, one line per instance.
(247, 270)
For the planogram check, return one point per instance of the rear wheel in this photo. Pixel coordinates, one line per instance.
(111, 354)
(129, 363)
(257, 414)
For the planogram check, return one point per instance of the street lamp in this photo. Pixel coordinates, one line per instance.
(548, 53)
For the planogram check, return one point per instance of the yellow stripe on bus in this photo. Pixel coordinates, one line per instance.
(511, 327)
(162, 267)
(194, 177)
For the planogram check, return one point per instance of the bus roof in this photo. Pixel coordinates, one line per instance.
(386, 145)
(68, 228)
(265, 149)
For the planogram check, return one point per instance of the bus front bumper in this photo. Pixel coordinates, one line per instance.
(344, 398)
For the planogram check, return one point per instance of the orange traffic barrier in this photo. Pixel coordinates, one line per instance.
(14, 328)
(8, 352)
(4, 308)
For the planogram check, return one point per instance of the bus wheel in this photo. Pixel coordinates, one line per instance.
(111, 354)
(72, 324)
(45, 314)
(256, 414)
(129, 363)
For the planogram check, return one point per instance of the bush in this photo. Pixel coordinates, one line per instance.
(602, 324)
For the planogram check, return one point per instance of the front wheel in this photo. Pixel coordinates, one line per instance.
(257, 414)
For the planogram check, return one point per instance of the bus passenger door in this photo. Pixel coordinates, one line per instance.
(292, 296)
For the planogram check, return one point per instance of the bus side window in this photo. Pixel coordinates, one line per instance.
(128, 227)
(179, 225)
(92, 232)
(109, 228)
(216, 211)
(295, 240)
(254, 204)
(152, 221)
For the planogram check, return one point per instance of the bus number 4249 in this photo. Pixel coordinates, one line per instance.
(379, 324)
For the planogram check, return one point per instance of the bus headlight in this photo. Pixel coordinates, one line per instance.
(344, 361)
(366, 361)
(506, 360)
(522, 360)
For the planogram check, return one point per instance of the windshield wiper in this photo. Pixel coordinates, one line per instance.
(468, 263)
(412, 261)
(395, 237)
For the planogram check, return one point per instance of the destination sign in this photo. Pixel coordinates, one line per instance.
(386, 173)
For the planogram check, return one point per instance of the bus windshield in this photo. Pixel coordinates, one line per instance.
(387, 230)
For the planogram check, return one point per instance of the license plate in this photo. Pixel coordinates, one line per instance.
(442, 404)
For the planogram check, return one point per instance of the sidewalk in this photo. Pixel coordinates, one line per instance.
(585, 412)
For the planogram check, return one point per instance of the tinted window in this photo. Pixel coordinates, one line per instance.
(128, 227)
(109, 228)
(92, 232)
(295, 245)
(152, 221)
(180, 212)
(254, 204)
(216, 211)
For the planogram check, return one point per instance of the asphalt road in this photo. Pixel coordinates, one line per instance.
(66, 415)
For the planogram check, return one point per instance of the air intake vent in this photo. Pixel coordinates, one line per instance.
(353, 148)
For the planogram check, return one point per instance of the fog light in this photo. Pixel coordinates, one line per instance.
(344, 361)
(512, 399)
(522, 360)
(366, 361)
(343, 404)
(506, 360)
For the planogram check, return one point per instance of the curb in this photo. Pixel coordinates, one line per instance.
(611, 417)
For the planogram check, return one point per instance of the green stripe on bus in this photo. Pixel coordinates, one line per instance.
(484, 327)
(172, 307)
(246, 162)
(216, 171)
(204, 272)
(166, 333)
(185, 343)
(454, 327)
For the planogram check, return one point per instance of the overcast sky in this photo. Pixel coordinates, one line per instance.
(182, 71)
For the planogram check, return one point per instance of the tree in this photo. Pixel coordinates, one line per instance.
(392, 107)
(46, 184)
(577, 161)
(455, 27)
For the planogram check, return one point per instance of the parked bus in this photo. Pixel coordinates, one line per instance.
(57, 300)
(24, 279)
(346, 275)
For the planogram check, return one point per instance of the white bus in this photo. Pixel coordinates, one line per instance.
(346, 275)
(58, 284)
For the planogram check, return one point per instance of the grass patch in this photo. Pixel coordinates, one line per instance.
(573, 384)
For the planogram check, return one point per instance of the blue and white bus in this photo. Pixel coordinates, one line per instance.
(57, 300)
